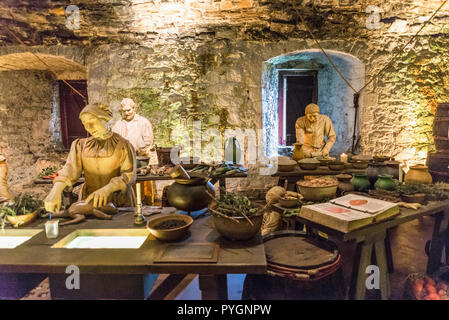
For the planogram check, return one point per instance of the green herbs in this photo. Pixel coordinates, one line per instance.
(235, 206)
(48, 171)
(23, 204)
(434, 192)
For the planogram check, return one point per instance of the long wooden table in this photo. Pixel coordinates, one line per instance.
(124, 273)
(288, 179)
(221, 179)
(374, 237)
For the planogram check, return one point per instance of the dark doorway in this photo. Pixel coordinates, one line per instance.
(71, 105)
(296, 90)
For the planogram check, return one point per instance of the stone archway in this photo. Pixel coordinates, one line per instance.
(60, 66)
(30, 125)
(335, 98)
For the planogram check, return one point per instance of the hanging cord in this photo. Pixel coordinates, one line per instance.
(322, 49)
(42, 61)
(357, 92)
(403, 47)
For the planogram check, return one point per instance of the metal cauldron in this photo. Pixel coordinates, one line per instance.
(190, 194)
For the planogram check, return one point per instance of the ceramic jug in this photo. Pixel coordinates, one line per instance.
(418, 174)
(360, 182)
(385, 182)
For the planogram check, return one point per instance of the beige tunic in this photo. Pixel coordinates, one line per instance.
(104, 162)
(137, 131)
(311, 135)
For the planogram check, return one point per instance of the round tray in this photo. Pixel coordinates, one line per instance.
(298, 250)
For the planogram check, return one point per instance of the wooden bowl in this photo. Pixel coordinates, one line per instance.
(22, 219)
(414, 198)
(170, 234)
(306, 164)
(288, 203)
(317, 193)
(242, 230)
(360, 164)
(286, 165)
(325, 161)
(336, 165)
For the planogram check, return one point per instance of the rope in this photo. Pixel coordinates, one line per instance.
(404, 46)
(385, 67)
(322, 49)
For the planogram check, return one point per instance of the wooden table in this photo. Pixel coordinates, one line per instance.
(124, 273)
(221, 179)
(290, 178)
(374, 238)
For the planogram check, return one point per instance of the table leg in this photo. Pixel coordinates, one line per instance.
(381, 259)
(365, 260)
(389, 253)
(213, 286)
(438, 240)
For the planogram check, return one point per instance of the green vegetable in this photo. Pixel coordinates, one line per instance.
(48, 171)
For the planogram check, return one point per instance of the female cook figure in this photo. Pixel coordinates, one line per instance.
(107, 160)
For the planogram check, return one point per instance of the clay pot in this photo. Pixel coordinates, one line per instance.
(385, 182)
(360, 182)
(417, 175)
(190, 194)
(344, 184)
(297, 154)
(393, 168)
(375, 169)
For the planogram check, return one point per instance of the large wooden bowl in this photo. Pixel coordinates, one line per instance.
(170, 234)
(22, 219)
(242, 230)
(317, 193)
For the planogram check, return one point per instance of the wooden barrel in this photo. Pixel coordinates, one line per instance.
(299, 267)
(441, 127)
(438, 163)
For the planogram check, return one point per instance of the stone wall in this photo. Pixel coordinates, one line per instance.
(27, 142)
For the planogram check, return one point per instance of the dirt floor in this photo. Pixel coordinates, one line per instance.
(407, 241)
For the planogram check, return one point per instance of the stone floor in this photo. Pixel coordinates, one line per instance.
(408, 242)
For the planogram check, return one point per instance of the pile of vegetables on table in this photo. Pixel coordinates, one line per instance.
(49, 172)
(21, 205)
(217, 170)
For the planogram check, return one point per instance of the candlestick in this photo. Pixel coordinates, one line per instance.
(140, 218)
(344, 157)
(139, 199)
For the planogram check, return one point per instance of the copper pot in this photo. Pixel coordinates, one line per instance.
(190, 194)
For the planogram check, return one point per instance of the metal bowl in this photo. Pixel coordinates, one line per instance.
(170, 234)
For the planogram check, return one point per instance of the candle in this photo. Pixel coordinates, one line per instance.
(344, 157)
(139, 200)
